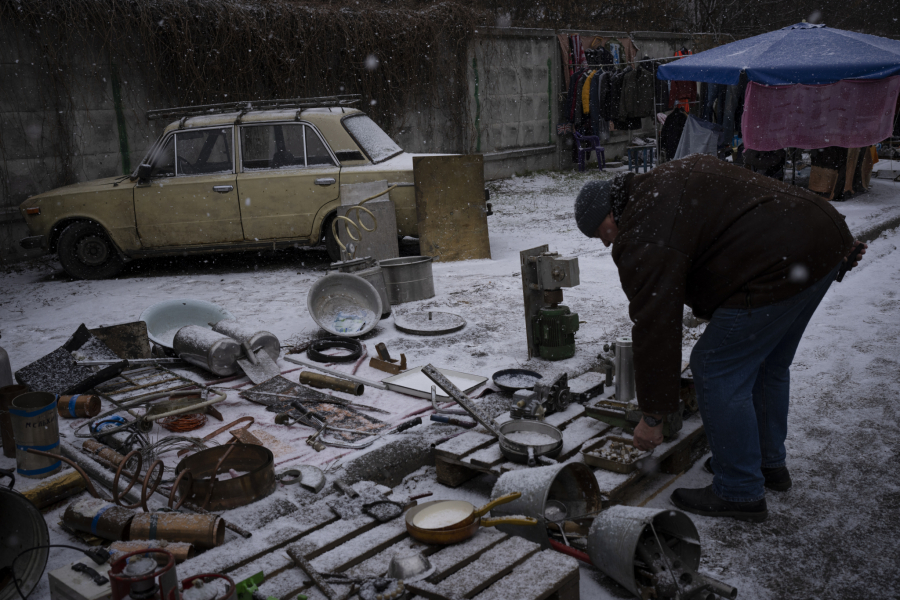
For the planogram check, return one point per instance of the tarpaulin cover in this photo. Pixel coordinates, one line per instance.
(698, 137)
(801, 53)
(851, 114)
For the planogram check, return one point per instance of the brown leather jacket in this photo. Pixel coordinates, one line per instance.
(703, 233)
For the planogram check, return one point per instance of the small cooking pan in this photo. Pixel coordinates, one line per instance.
(440, 512)
(459, 533)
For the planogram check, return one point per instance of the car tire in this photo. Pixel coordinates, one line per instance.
(86, 252)
(331, 244)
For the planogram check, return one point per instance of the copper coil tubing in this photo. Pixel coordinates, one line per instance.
(184, 423)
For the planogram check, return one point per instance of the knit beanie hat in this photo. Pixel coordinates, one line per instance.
(593, 203)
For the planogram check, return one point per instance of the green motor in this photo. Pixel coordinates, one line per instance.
(554, 332)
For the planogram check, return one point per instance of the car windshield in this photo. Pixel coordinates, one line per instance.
(376, 143)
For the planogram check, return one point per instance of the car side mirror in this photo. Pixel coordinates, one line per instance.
(144, 171)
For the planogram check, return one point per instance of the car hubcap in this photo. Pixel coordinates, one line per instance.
(92, 250)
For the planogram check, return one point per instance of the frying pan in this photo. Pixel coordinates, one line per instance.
(467, 511)
(460, 533)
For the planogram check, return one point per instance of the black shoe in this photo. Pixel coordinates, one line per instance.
(778, 479)
(705, 502)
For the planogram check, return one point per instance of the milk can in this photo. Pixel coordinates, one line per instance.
(256, 339)
(205, 348)
(36, 425)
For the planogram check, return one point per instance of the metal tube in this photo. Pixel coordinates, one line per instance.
(718, 587)
(375, 384)
(203, 531)
(337, 384)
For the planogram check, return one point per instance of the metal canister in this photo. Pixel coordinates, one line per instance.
(179, 550)
(256, 339)
(408, 278)
(203, 531)
(205, 348)
(99, 517)
(78, 406)
(369, 269)
(7, 393)
(625, 389)
(35, 425)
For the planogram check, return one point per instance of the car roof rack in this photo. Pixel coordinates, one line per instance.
(183, 112)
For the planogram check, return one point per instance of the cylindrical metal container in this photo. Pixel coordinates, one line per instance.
(624, 370)
(408, 278)
(103, 453)
(614, 536)
(35, 425)
(205, 348)
(368, 269)
(203, 531)
(78, 406)
(179, 550)
(572, 485)
(7, 393)
(256, 339)
(22, 526)
(99, 517)
(319, 380)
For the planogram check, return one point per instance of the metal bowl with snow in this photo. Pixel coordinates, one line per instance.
(524, 440)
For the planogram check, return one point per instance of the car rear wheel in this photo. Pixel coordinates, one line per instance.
(86, 252)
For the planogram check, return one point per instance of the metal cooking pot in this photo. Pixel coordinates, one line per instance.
(408, 278)
(525, 453)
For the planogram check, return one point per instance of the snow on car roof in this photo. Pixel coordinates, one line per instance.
(260, 116)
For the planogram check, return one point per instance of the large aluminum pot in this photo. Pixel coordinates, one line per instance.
(408, 278)
(340, 294)
(36, 425)
(205, 348)
(22, 526)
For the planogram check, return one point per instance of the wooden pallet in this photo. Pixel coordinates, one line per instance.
(465, 456)
(482, 568)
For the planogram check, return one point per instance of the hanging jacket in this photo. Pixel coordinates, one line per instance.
(615, 95)
(637, 94)
(586, 92)
(599, 126)
(579, 88)
(573, 86)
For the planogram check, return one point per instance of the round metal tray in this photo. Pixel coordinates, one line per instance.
(429, 323)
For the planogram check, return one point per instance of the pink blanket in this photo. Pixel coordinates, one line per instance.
(851, 113)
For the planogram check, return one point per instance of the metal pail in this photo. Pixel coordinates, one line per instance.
(35, 425)
(614, 536)
(572, 485)
(22, 526)
(7, 393)
(408, 278)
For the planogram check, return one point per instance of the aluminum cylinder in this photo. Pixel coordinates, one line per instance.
(614, 536)
(625, 389)
(408, 278)
(203, 531)
(7, 393)
(208, 349)
(256, 339)
(100, 518)
(179, 550)
(79, 406)
(572, 485)
(35, 425)
(319, 380)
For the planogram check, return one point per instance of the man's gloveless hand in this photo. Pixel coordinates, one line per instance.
(646, 437)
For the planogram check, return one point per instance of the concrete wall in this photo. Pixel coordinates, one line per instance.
(515, 89)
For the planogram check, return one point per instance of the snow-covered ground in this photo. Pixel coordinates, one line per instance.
(833, 535)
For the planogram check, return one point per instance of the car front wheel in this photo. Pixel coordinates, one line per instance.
(86, 252)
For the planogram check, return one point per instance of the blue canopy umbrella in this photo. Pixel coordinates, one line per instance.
(801, 53)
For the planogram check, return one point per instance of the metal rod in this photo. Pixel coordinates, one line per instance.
(130, 361)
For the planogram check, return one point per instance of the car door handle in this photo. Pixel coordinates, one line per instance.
(325, 180)
(223, 189)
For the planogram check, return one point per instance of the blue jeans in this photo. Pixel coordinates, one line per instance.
(741, 367)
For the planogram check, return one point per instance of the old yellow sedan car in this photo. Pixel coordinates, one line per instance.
(239, 180)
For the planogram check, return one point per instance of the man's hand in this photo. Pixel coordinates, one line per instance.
(646, 437)
(859, 257)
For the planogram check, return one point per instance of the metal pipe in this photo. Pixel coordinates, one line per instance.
(338, 384)
(375, 384)
(717, 587)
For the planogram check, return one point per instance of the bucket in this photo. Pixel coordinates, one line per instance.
(408, 278)
(614, 536)
(79, 406)
(100, 518)
(203, 531)
(572, 485)
(255, 338)
(624, 370)
(7, 393)
(22, 526)
(35, 425)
